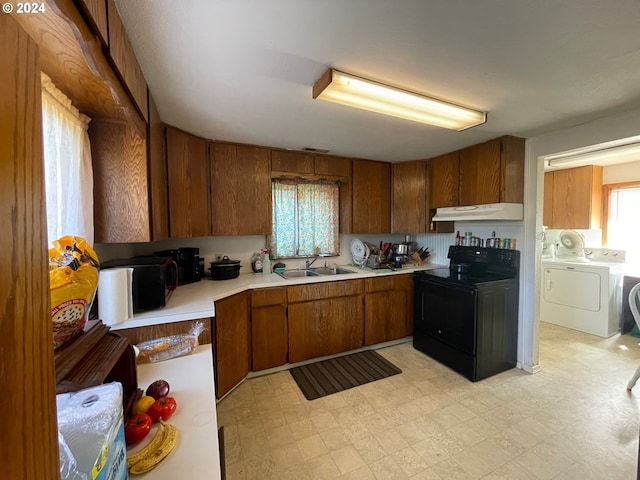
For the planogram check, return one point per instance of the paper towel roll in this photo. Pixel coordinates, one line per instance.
(115, 301)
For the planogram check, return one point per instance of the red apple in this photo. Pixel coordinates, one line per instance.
(158, 389)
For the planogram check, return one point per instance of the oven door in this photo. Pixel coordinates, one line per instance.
(446, 312)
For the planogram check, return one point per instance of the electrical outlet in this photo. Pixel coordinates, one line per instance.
(219, 256)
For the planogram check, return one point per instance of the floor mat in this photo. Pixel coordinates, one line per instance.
(337, 374)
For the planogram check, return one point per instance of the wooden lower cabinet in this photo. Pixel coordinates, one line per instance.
(325, 326)
(269, 343)
(232, 351)
(388, 308)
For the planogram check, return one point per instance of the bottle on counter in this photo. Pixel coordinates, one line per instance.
(458, 238)
(467, 239)
(266, 262)
(256, 263)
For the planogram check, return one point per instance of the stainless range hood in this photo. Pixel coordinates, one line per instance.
(491, 211)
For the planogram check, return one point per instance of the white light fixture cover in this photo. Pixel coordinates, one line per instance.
(629, 152)
(353, 91)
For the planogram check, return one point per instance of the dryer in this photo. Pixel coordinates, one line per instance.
(584, 295)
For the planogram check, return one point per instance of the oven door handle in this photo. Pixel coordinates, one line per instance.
(470, 289)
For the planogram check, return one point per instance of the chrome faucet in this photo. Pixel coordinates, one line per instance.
(307, 263)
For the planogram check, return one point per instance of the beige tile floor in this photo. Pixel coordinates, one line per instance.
(572, 420)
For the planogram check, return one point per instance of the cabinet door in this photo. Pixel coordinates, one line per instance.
(291, 161)
(577, 197)
(96, 11)
(125, 61)
(385, 316)
(188, 179)
(120, 185)
(371, 197)
(232, 352)
(404, 283)
(480, 174)
(268, 336)
(409, 197)
(332, 165)
(388, 308)
(325, 327)
(547, 212)
(157, 175)
(28, 375)
(443, 180)
(240, 190)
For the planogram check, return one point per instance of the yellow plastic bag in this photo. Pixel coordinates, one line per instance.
(73, 280)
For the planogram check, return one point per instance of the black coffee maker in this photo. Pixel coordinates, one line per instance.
(190, 266)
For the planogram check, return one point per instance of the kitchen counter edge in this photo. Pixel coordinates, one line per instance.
(196, 300)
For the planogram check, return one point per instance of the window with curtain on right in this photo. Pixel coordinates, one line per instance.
(305, 217)
(623, 221)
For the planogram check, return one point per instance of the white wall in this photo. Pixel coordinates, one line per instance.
(603, 130)
(624, 172)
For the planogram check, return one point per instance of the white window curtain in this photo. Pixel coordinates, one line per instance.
(67, 162)
(623, 227)
(305, 218)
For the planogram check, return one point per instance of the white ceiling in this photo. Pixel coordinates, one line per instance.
(242, 70)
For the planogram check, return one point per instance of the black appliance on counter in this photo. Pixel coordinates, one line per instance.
(190, 265)
(466, 316)
(154, 279)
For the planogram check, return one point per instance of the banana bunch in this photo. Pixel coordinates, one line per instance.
(159, 447)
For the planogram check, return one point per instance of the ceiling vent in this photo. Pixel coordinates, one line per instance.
(315, 150)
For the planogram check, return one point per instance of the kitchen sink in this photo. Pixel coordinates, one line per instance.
(298, 273)
(331, 271)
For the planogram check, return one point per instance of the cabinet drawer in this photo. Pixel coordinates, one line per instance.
(388, 283)
(316, 291)
(268, 296)
(380, 284)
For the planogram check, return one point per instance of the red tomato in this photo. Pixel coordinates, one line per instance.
(137, 427)
(162, 408)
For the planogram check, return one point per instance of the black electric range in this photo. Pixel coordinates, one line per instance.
(469, 321)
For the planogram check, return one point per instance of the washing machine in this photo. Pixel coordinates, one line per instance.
(584, 293)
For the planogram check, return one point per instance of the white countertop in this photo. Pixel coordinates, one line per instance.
(196, 454)
(196, 300)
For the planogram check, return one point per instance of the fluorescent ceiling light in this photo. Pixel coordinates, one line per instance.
(622, 153)
(346, 89)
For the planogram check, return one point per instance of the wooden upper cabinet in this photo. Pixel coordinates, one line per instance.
(292, 161)
(332, 166)
(240, 190)
(371, 191)
(120, 183)
(576, 198)
(188, 181)
(480, 174)
(124, 60)
(157, 175)
(547, 207)
(443, 180)
(492, 172)
(96, 12)
(409, 197)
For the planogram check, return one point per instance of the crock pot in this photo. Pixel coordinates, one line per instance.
(225, 269)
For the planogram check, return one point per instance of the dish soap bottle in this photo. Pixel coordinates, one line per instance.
(266, 262)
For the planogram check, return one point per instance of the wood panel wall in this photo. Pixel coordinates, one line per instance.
(27, 405)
